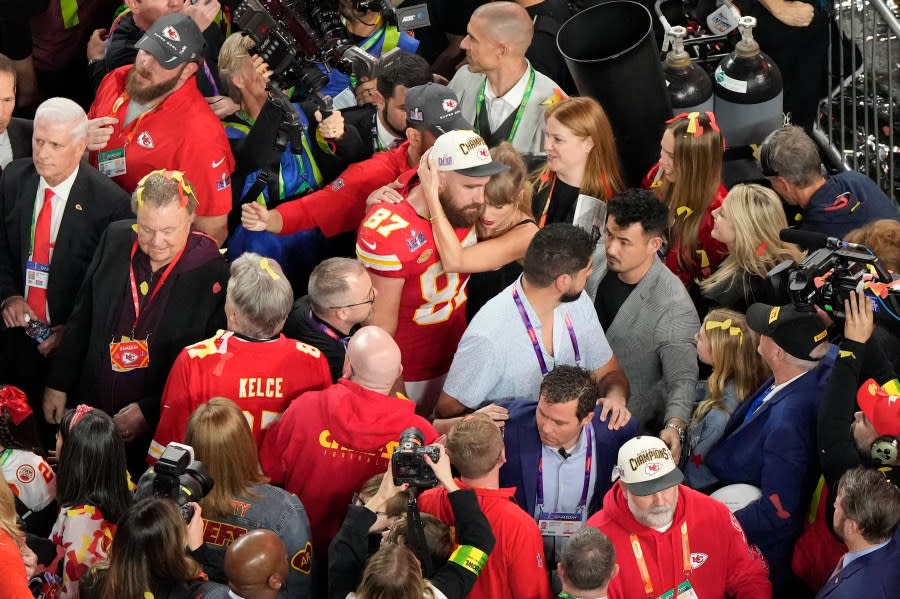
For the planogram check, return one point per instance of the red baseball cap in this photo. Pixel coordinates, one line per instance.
(882, 409)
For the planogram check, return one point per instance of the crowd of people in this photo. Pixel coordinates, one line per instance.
(256, 346)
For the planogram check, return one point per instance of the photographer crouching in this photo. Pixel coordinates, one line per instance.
(276, 155)
(394, 572)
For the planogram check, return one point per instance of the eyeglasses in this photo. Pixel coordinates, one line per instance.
(370, 300)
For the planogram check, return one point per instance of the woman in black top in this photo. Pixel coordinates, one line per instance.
(581, 159)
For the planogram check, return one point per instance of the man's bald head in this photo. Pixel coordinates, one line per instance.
(506, 23)
(256, 565)
(373, 359)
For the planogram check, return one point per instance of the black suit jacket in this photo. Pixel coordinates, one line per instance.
(93, 203)
(20, 131)
(195, 310)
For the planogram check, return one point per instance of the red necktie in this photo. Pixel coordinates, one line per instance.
(37, 297)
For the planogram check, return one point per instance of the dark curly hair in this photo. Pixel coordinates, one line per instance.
(640, 206)
(567, 383)
(557, 249)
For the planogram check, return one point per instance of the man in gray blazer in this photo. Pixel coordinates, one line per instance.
(648, 317)
(499, 91)
(15, 134)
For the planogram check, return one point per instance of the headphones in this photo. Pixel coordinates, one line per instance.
(885, 450)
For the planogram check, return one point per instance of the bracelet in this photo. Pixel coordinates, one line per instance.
(677, 428)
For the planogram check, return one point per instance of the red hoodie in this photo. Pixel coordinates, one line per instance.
(328, 443)
(722, 563)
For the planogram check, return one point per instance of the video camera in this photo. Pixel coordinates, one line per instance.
(408, 460)
(826, 277)
(178, 476)
(294, 36)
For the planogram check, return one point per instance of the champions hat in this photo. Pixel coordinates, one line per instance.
(794, 331)
(645, 464)
(881, 408)
(466, 153)
(173, 39)
(435, 107)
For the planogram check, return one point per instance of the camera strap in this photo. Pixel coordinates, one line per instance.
(416, 532)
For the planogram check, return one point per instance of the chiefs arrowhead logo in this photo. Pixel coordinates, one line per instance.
(484, 154)
(698, 559)
(449, 104)
(171, 33)
(652, 468)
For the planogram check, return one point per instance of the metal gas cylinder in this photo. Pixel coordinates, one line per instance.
(748, 91)
(690, 88)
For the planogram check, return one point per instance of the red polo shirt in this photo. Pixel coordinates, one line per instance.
(182, 133)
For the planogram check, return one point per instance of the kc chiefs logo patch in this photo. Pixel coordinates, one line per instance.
(25, 473)
(171, 33)
(302, 560)
(698, 559)
(449, 104)
(652, 468)
(145, 141)
(484, 154)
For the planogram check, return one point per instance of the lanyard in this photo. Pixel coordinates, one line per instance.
(159, 284)
(533, 335)
(520, 111)
(546, 209)
(588, 460)
(642, 565)
(328, 329)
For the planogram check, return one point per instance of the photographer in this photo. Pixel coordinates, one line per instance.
(367, 29)
(276, 155)
(393, 572)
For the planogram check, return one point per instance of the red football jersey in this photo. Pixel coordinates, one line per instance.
(394, 241)
(261, 377)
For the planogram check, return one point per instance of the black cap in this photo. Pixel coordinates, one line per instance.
(173, 39)
(435, 107)
(796, 332)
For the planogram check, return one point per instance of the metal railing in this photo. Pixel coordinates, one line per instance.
(859, 124)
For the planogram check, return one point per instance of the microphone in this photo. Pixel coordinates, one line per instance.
(565, 454)
(812, 240)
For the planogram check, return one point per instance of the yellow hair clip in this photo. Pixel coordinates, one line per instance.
(683, 211)
(264, 265)
(725, 325)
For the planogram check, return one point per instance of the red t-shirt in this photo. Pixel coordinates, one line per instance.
(182, 133)
(517, 567)
(261, 377)
(394, 241)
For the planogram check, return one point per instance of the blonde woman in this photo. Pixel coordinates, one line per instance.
(726, 343)
(12, 567)
(688, 179)
(748, 223)
(504, 230)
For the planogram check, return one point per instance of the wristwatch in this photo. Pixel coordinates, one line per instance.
(678, 429)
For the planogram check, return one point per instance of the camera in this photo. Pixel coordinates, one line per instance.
(178, 476)
(826, 277)
(408, 460)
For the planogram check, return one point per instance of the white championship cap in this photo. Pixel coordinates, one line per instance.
(466, 153)
(645, 464)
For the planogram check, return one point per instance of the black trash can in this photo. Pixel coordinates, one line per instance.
(611, 51)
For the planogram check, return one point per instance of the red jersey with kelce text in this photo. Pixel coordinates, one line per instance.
(394, 241)
(261, 377)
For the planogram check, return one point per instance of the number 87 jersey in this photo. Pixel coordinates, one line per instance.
(395, 242)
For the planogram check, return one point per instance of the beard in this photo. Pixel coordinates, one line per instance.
(566, 298)
(460, 217)
(655, 517)
(146, 93)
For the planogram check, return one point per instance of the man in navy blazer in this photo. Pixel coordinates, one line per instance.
(770, 442)
(866, 513)
(559, 424)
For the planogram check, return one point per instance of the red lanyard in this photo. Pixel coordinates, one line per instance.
(642, 564)
(533, 335)
(129, 134)
(159, 284)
